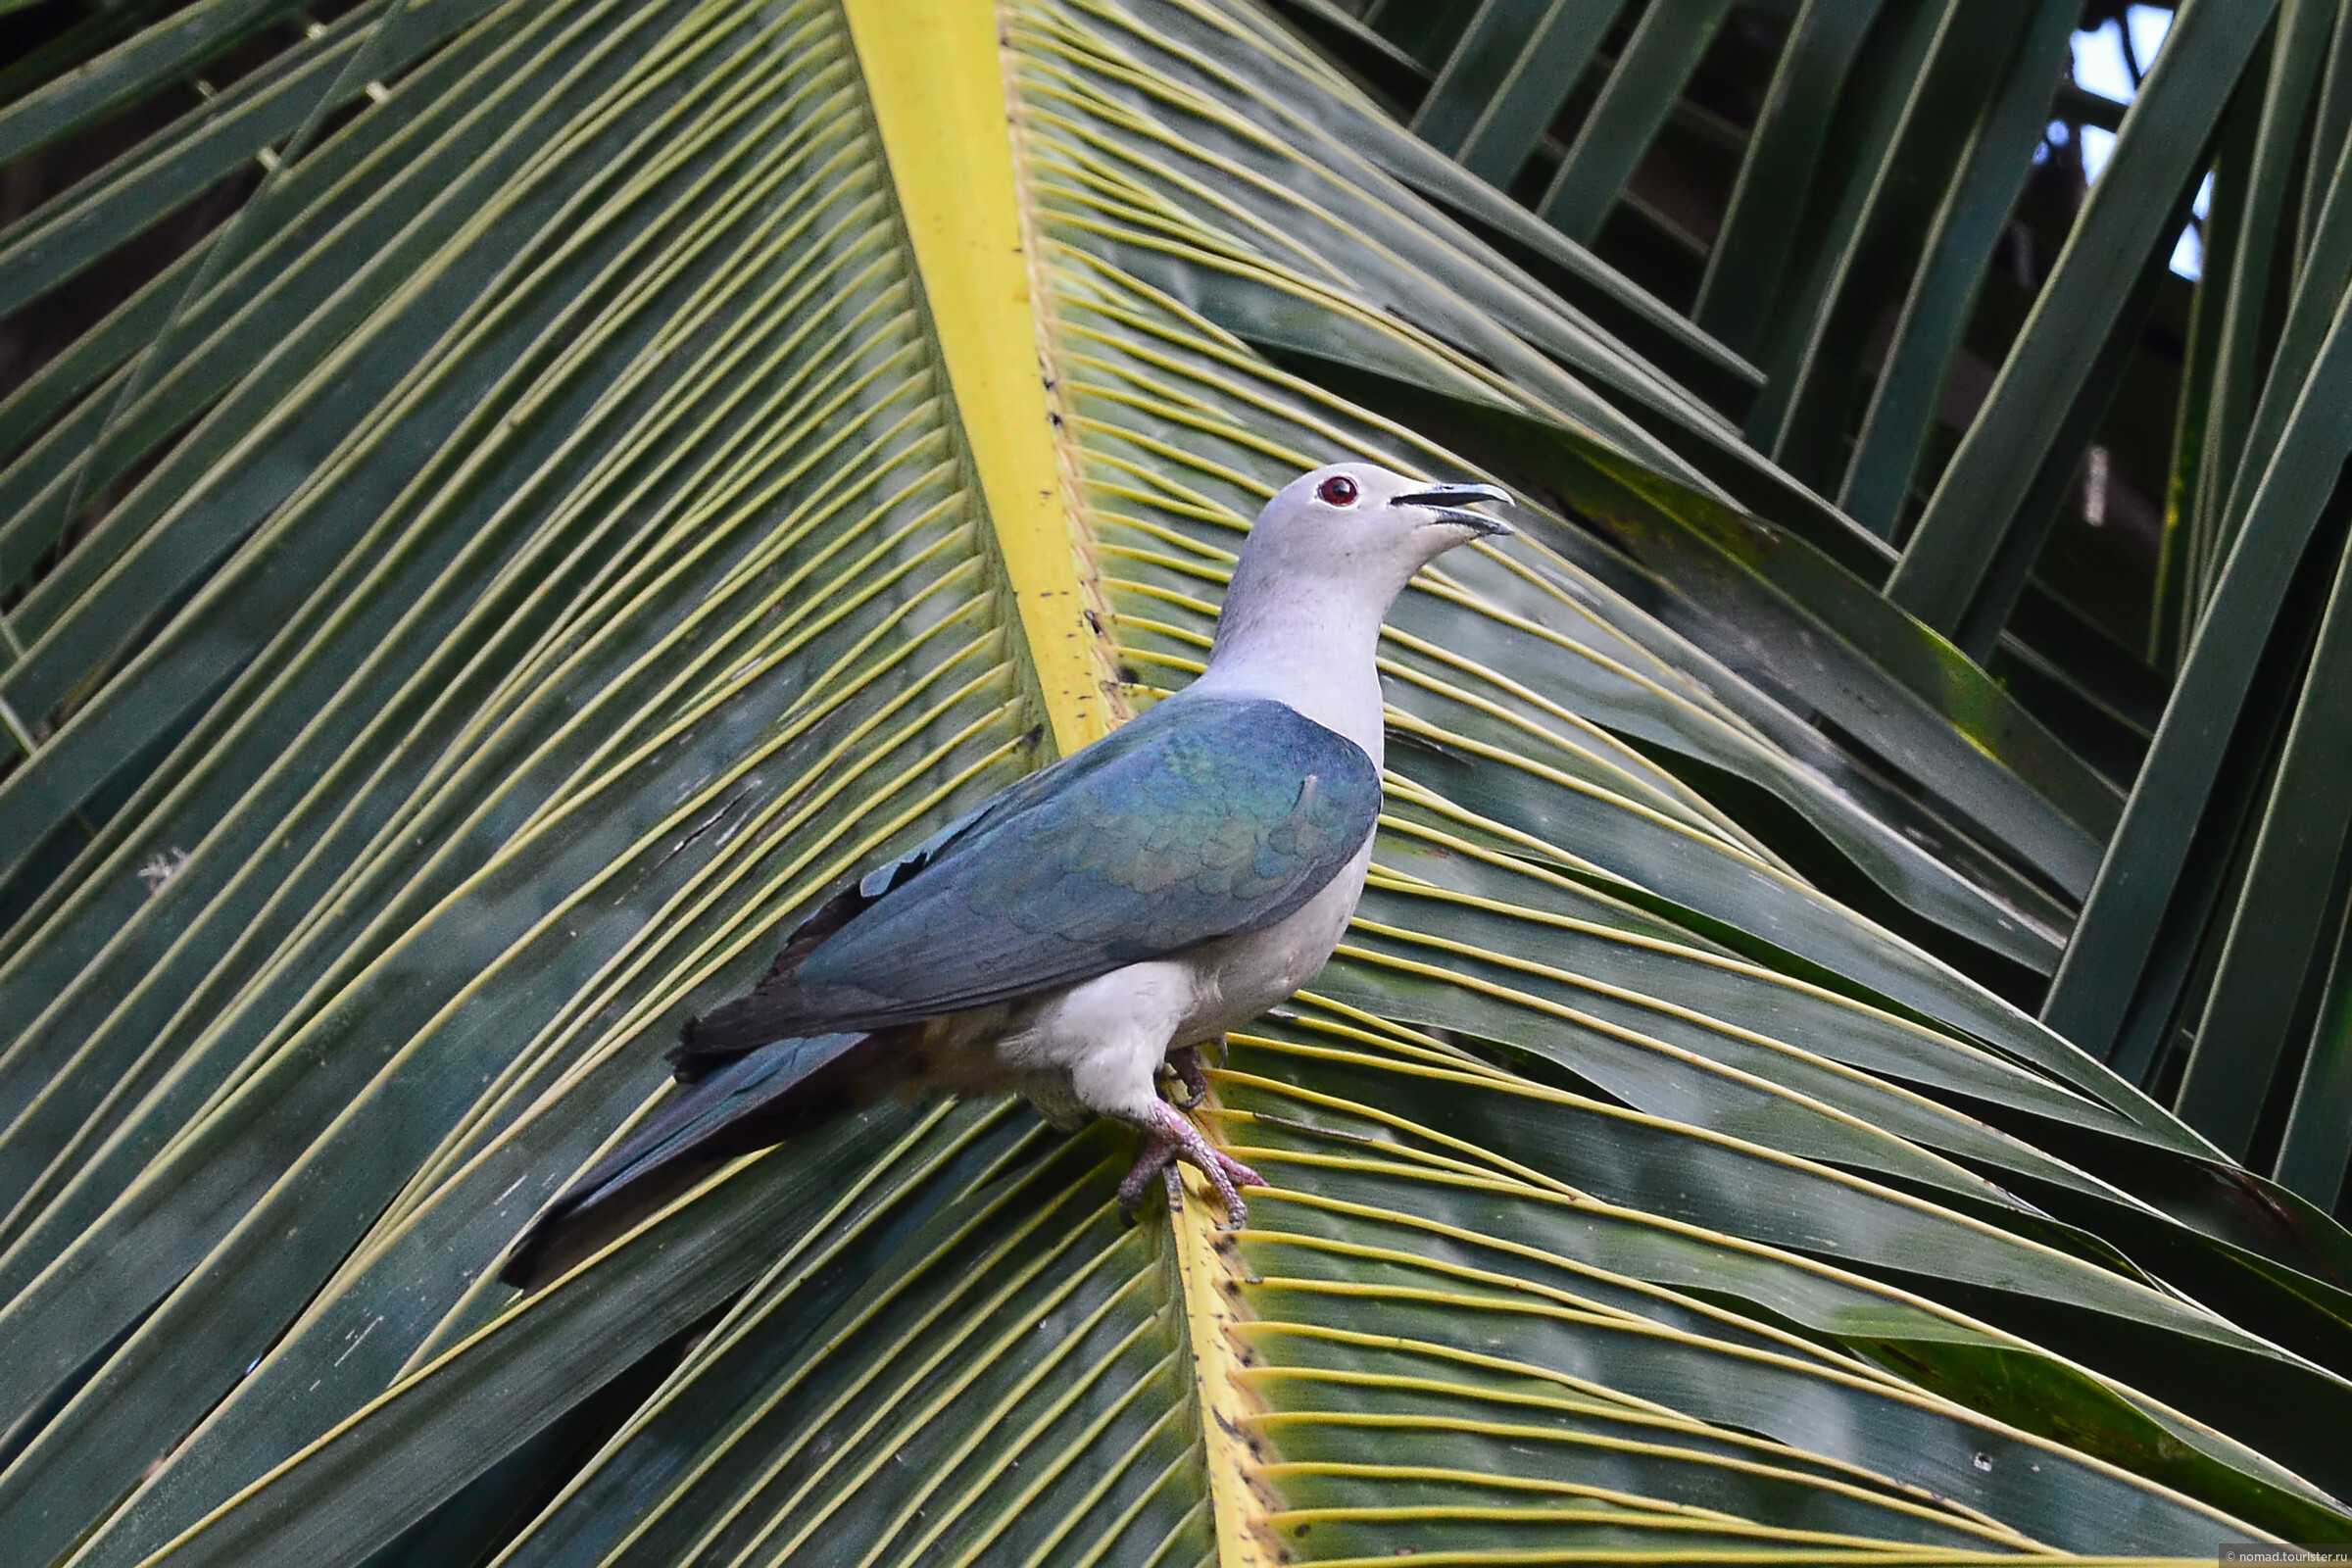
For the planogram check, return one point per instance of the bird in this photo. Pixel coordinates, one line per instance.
(1090, 929)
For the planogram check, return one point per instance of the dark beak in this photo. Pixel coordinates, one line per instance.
(1452, 501)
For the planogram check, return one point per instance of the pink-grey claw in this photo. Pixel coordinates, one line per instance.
(1172, 1138)
(1185, 1062)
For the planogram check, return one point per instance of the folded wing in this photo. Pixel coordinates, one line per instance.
(1204, 819)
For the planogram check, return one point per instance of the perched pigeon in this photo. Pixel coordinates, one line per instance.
(1099, 919)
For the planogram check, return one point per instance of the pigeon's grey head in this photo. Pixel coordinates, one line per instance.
(1359, 522)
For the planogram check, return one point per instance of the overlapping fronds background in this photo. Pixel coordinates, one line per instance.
(1844, 1058)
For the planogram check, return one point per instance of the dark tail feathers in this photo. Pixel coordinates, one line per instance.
(752, 1101)
(726, 1033)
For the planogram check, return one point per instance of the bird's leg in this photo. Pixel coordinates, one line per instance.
(1185, 1062)
(1171, 1137)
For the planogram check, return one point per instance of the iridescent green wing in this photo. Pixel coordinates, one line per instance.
(1204, 819)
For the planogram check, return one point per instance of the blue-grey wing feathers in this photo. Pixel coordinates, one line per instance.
(1204, 819)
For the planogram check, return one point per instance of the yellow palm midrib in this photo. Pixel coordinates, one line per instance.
(948, 123)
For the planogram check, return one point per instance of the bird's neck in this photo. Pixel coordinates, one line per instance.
(1308, 644)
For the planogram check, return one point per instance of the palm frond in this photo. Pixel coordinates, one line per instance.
(628, 465)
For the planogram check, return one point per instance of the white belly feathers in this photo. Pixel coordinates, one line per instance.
(1092, 1049)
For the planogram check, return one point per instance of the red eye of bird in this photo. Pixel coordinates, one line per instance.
(1338, 491)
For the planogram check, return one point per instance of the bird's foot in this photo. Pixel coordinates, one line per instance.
(1172, 1138)
(1185, 1062)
